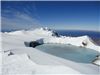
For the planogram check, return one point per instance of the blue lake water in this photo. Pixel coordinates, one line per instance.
(69, 52)
(73, 53)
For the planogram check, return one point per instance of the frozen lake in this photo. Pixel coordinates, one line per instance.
(69, 52)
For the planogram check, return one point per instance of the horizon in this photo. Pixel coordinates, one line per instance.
(49, 28)
(59, 15)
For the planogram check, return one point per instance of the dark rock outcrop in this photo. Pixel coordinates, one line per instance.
(10, 54)
(55, 34)
(84, 44)
(34, 44)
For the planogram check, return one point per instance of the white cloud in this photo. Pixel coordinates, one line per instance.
(19, 21)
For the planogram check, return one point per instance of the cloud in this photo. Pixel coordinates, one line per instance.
(15, 20)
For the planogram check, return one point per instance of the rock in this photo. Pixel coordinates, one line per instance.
(34, 44)
(10, 54)
(84, 43)
(55, 34)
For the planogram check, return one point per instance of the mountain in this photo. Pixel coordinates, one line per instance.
(50, 36)
(19, 59)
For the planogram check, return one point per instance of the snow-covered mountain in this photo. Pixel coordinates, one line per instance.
(50, 36)
(15, 53)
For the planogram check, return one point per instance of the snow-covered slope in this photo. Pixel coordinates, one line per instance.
(49, 36)
(17, 64)
(21, 64)
(27, 60)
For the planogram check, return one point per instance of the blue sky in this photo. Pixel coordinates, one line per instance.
(56, 15)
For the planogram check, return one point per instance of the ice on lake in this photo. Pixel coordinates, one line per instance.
(69, 52)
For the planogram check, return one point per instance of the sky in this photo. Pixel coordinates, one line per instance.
(67, 15)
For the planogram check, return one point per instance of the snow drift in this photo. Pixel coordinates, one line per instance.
(20, 63)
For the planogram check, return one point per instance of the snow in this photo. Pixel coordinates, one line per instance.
(26, 60)
(21, 64)
(97, 61)
(46, 35)
(17, 64)
(0, 62)
(76, 41)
